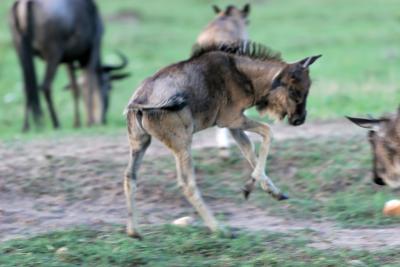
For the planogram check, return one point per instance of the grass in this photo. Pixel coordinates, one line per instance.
(357, 74)
(325, 179)
(172, 246)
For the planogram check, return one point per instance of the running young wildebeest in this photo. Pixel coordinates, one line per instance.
(213, 87)
(229, 26)
(384, 136)
(61, 31)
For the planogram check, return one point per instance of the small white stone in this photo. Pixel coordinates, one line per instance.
(62, 250)
(184, 221)
(357, 263)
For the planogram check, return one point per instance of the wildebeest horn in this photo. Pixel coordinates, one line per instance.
(120, 66)
(119, 76)
(365, 123)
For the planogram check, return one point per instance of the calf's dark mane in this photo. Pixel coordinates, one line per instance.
(243, 48)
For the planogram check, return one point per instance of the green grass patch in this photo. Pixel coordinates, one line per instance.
(325, 179)
(172, 246)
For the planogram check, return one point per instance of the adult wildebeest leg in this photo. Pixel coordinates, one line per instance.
(139, 141)
(75, 93)
(247, 149)
(93, 96)
(259, 170)
(32, 100)
(51, 69)
(25, 57)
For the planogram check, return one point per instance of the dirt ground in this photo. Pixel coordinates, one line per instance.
(55, 184)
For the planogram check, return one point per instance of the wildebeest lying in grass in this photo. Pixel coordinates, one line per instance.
(61, 31)
(384, 136)
(229, 26)
(213, 88)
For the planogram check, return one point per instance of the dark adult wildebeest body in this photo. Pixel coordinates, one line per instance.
(213, 87)
(384, 136)
(229, 26)
(61, 31)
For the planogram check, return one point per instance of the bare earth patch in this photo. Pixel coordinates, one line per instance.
(56, 184)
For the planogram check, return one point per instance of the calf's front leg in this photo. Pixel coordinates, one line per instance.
(245, 145)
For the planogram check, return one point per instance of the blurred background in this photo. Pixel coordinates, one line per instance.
(358, 74)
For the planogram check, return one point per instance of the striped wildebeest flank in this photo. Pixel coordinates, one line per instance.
(62, 31)
(213, 88)
(230, 25)
(384, 137)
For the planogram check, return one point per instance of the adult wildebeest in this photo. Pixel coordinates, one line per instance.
(61, 31)
(384, 136)
(229, 26)
(213, 88)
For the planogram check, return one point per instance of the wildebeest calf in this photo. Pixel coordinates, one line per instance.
(384, 136)
(228, 26)
(214, 87)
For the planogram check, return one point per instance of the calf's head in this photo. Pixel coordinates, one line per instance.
(384, 137)
(289, 91)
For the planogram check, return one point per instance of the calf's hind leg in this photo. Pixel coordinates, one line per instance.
(139, 141)
(187, 181)
(175, 131)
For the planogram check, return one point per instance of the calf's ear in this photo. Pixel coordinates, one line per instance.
(308, 61)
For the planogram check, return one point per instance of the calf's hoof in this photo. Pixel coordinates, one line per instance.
(226, 233)
(281, 196)
(135, 235)
(246, 193)
(248, 188)
(278, 196)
